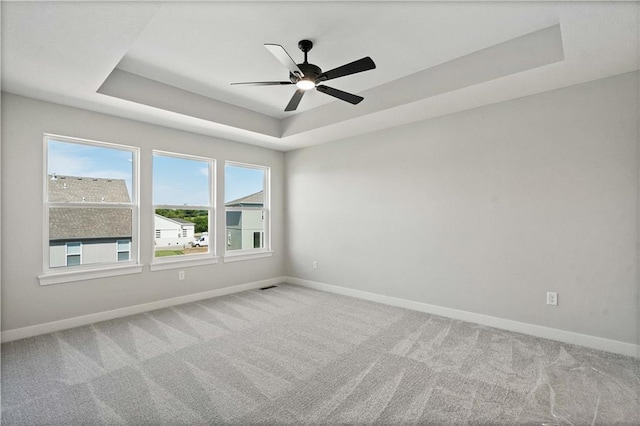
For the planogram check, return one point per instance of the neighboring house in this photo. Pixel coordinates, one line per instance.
(245, 229)
(173, 231)
(88, 235)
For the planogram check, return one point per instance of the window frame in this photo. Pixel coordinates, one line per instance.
(82, 272)
(174, 262)
(265, 250)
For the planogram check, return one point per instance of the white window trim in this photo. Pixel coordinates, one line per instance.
(240, 255)
(86, 272)
(175, 262)
(266, 250)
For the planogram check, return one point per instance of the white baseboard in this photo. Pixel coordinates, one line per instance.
(50, 327)
(570, 337)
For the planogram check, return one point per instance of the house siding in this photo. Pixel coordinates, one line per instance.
(171, 232)
(251, 222)
(240, 228)
(92, 251)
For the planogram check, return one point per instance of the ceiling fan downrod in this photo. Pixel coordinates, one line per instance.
(305, 46)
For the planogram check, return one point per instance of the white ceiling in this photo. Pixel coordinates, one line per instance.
(172, 63)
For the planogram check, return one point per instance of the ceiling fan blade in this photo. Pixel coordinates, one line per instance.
(263, 83)
(347, 97)
(295, 100)
(360, 65)
(282, 55)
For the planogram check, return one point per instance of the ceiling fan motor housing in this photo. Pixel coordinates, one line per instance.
(310, 71)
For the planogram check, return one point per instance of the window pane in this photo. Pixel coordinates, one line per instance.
(244, 201)
(124, 245)
(242, 227)
(74, 248)
(180, 181)
(101, 176)
(181, 232)
(98, 230)
(123, 256)
(86, 173)
(243, 185)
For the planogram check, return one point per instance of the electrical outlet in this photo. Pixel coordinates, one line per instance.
(552, 298)
(315, 264)
(181, 275)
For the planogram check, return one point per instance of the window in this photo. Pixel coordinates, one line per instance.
(257, 239)
(91, 207)
(183, 206)
(74, 254)
(246, 208)
(124, 250)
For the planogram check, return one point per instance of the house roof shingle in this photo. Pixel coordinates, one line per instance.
(88, 189)
(88, 223)
(83, 223)
(181, 222)
(252, 200)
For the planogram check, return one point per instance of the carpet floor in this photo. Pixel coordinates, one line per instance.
(298, 356)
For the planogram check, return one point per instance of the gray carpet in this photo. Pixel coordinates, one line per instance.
(299, 356)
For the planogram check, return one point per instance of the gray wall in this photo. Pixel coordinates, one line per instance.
(484, 210)
(24, 301)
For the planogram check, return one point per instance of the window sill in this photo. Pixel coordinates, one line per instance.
(87, 274)
(163, 265)
(238, 257)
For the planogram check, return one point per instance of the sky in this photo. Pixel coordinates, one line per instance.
(71, 159)
(242, 181)
(176, 181)
(180, 181)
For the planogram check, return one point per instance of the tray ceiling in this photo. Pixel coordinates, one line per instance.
(171, 63)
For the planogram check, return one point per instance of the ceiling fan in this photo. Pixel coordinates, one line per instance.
(307, 76)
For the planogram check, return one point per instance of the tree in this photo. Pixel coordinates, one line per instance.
(202, 223)
(171, 213)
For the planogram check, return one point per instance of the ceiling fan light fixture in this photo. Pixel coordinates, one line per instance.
(308, 76)
(304, 84)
